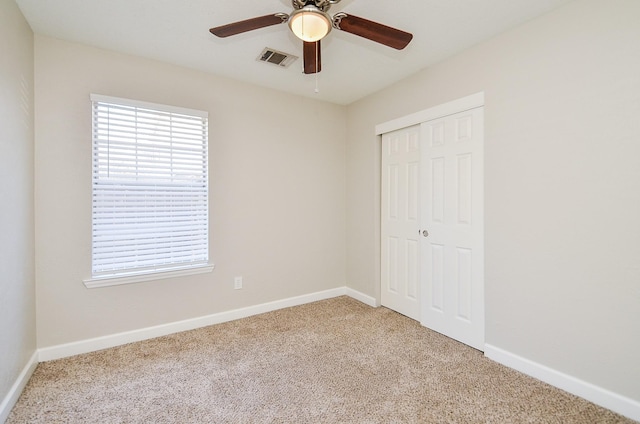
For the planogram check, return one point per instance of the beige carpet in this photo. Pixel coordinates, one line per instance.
(334, 361)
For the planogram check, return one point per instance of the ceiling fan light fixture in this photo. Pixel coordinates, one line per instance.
(310, 23)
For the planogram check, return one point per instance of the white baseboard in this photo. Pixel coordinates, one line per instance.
(620, 404)
(359, 296)
(99, 343)
(14, 393)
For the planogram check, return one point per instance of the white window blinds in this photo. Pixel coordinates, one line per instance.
(150, 188)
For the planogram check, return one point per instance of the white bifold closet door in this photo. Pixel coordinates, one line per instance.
(452, 209)
(400, 215)
(432, 262)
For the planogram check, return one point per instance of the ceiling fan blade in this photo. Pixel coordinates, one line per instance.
(373, 31)
(249, 25)
(311, 57)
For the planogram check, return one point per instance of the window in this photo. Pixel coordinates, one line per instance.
(150, 191)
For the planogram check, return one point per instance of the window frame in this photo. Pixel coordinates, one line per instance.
(154, 272)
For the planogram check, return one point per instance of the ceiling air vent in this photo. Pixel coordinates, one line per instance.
(270, 55)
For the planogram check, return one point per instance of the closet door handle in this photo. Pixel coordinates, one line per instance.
(425, 233)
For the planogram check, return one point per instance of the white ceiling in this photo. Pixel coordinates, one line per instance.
(176, 31)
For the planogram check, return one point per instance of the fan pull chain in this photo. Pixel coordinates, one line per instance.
(317, 90)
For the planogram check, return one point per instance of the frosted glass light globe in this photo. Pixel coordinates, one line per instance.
(310, 24)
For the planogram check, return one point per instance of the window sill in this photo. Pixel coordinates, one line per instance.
(93, 283)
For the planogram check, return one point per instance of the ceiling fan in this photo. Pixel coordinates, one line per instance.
(310, 22)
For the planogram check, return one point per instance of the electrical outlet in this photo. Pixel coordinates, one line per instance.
(237, 283)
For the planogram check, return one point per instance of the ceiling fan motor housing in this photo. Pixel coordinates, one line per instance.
(322, 5)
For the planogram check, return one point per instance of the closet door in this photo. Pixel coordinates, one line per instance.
(452, 224)
(400, 250)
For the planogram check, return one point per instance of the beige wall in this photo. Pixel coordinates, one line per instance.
(277, 186)
(17, 281)
(562, 184)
